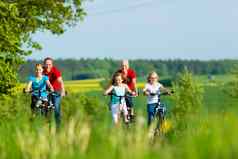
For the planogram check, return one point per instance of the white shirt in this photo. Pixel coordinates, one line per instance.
(155, 88)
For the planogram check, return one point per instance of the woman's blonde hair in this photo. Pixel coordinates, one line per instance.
(150, 74)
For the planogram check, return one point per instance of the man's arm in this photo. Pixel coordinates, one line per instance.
(134, 83)
(134, 80)
(60, 80)
(49, 85)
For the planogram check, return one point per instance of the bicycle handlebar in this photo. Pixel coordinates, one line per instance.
(39, 91)
(162, 94)
(126, 95)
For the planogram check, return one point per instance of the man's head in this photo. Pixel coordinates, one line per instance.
(48, 64)
(124, 65)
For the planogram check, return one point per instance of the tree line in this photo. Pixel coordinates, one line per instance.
(79, 69)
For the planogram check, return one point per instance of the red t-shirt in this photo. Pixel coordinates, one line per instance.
(53, 75)
(127, 78)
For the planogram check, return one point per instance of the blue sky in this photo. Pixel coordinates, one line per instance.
(152, 29)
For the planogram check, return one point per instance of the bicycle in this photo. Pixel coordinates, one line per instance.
(160, 113)
(129, 116)
(42, 106)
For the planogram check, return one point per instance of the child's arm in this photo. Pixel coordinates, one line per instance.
(49, 85)
(28, 87)
(164, 89)
(107, 91)
(146, 92)
(129, 90)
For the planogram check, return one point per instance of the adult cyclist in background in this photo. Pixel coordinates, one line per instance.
(129, 78)
(56, 81)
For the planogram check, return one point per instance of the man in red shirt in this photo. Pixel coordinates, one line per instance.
(56, 81)
(129, 78)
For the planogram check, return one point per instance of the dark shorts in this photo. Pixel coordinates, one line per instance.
(129, 102)
(33, 102)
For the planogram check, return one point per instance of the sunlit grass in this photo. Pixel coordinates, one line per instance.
(87, 130)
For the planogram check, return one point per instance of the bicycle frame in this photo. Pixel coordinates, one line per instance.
(160, 112)
(43, 106)
(120, 99)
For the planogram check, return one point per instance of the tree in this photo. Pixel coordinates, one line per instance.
(232, 87)
(8, 78)
(188, 96)
(19, 19)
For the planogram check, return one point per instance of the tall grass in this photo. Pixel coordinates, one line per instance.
(87, 132)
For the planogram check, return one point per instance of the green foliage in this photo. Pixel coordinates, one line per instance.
(188, 96)
(85, 106)
(213, 135)
(105, 83)
(232, 87)
(104, 68)
(8, 78)
(13, 107)
(20, 19)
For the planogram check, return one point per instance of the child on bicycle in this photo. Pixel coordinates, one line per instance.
(37, 85)
(152, 90)
(118, 92)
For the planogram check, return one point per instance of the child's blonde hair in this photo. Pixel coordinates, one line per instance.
(38, 65)
(150, 74)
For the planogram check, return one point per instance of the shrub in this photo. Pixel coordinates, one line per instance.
(188, 95)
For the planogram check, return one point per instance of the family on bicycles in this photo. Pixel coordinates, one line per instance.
(47, 78)
(122, 89)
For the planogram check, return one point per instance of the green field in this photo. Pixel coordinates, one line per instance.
(87, 130)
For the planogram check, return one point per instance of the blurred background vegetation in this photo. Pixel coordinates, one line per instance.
(73, 69)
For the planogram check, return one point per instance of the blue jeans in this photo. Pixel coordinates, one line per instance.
(56, 99)
(129, 102)
(151, 112)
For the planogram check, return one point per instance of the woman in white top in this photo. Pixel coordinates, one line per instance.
(152, 90)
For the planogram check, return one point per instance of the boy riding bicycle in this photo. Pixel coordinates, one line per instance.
(37, 85)
(152, 90)
(118, 92)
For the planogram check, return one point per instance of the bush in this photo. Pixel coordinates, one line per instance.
(232, 87)
(8, 78)
(188, 96)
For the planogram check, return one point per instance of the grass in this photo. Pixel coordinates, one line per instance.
(87, 131)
